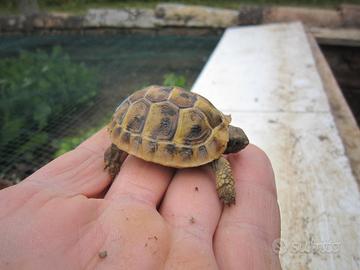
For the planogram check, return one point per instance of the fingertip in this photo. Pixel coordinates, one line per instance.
(247, 229)
(256, 198)
(252, 164)
(192, 209)
(140, 181)
(98, 142)
(191, 202)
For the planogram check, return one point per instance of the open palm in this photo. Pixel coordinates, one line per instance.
(68, 215)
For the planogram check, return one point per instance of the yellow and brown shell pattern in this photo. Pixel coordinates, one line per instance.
(170, 126)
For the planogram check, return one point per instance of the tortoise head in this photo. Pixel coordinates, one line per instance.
(237, 140)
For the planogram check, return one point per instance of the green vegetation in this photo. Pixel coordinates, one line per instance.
(37, 87)
(69, 143)
(172, 79)
(80, 6)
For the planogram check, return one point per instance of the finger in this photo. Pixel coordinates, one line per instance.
(79, 171)
(141, 182)
(247, 230)
(192, 208)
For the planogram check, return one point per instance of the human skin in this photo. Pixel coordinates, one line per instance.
(68, 215)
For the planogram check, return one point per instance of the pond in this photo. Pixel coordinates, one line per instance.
(56, 90)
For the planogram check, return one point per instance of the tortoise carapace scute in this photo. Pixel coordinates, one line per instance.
(170, 126)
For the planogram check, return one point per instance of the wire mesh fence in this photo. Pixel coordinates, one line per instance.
(58, 89)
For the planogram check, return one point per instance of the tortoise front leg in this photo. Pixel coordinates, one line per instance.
(225, 184)
(113, 159)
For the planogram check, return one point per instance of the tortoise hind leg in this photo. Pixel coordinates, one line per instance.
(225, 184)
(113, 159)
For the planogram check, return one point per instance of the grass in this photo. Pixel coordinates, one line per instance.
(81, 6)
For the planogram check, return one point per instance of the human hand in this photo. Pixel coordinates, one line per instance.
(68, 215)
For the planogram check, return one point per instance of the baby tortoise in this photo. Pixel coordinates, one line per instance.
(175, 128)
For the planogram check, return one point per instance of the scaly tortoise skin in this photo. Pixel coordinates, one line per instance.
(175, 128)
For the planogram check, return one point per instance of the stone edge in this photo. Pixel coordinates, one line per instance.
(179, 15)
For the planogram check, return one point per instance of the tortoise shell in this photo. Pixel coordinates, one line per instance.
(170, 126)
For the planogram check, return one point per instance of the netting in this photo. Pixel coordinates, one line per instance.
(53, 98)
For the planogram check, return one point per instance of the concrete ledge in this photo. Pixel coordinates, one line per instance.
(266, 77)
(350, 15)
(123, 18)
(179, 15)
(309, 16)
(40, 22)
(340, 36)
(196, 16)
